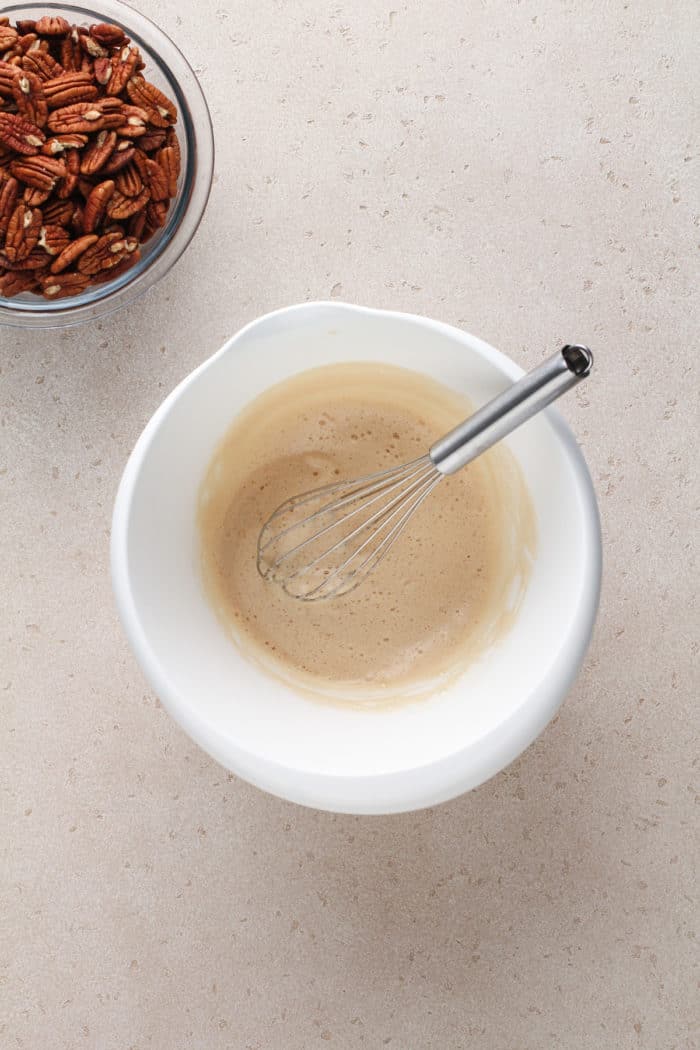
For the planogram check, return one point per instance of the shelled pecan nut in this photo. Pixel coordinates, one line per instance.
(42, 65)
(34, 198)
(168, 160)
(106, 253)
(8, 37)
(160, 109)
(52, 26)
(97, 155)
(8, 76)
(69, 88)
(20, 135)
(83, 117)
(96, 204)
(72, 252)
(108, 35)
(126, 263)
(129, 182)
(9, 191)
(53, 239)
(22, 232)
(60, 143)
(60, 286)
(36, 260)
(42, 173)
(29, 97)
(123, 155)
(70, 182)
(58, 213)
(17, 282)
(124, 67)
(122, 207)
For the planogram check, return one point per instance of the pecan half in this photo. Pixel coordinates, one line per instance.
(83, 117)
(156, 214)
(42, 65)
(106, 253)
(22, 232)
(137, 224)
(40, 172)
(124, 66)
(53, 239)
(28, 93)
(129, 182)
(24, 44)
(8, 37)
(168, 160)
(8, 76)
(72, 252)
(96, 204)
(8, 199)
(69, 88)
(15, 283)
(153, 139)
(122, 155)
(173, 141)
(34, 198)
(108, 35)
(60, 143)
(156, 179)
(102, 70)
(127, 262)
(20, 135)
(52, 26)
(135, 122)
(62, 285)
(160, 109)
(70, 182)
(71, 52)
(121, 207)
(36, 260)
(58, 212)
(97, 155)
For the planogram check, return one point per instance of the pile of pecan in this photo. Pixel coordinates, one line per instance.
(89, 157)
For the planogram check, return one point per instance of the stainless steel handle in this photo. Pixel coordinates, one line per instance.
(514, 406)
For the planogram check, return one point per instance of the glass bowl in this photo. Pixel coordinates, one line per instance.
(168, 69)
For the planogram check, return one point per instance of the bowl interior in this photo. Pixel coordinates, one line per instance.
(167, 68)
(258, 725)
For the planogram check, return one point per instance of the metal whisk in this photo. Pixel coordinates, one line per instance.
(323, 543)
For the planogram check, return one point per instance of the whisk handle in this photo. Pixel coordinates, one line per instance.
(514, 406)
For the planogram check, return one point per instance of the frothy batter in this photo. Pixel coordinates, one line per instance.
(444, 593)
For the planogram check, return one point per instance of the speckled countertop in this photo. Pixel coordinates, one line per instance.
(526, 170)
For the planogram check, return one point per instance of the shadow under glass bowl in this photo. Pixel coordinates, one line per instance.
(168, 69)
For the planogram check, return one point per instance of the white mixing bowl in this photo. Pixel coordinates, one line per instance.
(325, 756)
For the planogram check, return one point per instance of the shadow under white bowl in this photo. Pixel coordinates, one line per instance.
(325, 756)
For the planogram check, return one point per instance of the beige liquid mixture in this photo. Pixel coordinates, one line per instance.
(444, 593)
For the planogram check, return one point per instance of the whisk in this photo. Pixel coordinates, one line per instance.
(324, 543)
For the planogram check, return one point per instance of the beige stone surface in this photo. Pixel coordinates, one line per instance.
(527, 170)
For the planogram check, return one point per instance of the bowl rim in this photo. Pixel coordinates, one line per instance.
(397, 790)
(190, 203)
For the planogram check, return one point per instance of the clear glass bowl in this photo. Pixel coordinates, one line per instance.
(168, 69)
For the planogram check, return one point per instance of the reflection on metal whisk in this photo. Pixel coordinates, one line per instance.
(323, 543)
